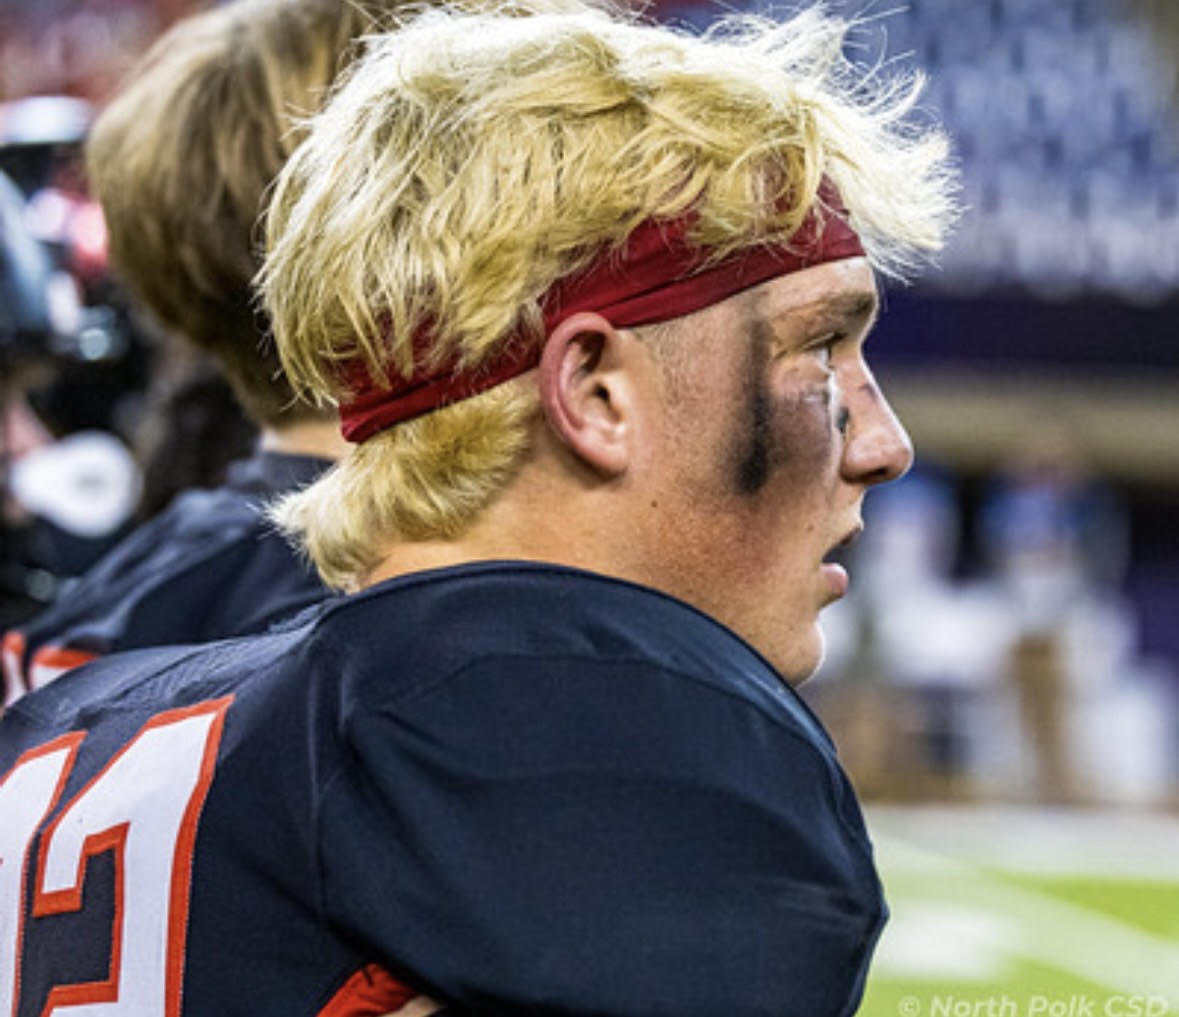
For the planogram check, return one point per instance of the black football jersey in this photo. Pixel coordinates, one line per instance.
(519, 788)
(208, 567)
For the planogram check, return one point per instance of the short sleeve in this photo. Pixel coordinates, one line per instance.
(569, 836)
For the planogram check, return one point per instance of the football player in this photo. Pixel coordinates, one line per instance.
(593, 297)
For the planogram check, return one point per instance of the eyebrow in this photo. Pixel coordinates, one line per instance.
(845, 312)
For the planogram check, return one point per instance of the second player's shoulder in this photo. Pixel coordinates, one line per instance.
(197, 527)
(150, 680)
(210, 566)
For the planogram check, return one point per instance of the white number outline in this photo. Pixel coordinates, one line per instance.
(113, 838)
(68, 745)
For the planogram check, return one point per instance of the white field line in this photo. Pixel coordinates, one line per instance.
(1038, 840)
(1065, 936)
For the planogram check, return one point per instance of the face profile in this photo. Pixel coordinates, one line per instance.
(762, 462)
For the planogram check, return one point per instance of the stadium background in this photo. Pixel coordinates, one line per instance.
(1004, 681)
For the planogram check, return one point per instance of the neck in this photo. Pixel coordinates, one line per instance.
(544, 517)
(503, 532)
(319, 438)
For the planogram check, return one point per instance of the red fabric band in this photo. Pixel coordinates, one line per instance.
(656, 276)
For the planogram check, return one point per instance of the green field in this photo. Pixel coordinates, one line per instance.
(1017, 913)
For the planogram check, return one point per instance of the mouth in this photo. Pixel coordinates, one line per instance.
(835, 561)
(840, 552)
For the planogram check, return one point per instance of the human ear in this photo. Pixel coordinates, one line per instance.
(588, 390)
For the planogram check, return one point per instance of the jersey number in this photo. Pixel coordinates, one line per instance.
(144, 806)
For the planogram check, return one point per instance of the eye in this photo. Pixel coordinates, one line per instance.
(824, 347)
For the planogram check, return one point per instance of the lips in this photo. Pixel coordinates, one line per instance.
(834, 564)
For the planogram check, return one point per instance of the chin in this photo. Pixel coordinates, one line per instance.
(797, 660)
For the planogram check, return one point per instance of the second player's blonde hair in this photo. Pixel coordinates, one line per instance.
(472, 160)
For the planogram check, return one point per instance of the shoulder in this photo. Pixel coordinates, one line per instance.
(441, 623)
(209, 567)
(197, 526)
(542, 736)
(515, 665)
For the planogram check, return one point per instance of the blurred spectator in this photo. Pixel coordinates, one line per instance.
(187, 427)
(909, 647)
(25, 324)
(1056, 539)
(1022, 680)
(182, 161)
(1052, 530)
(64, 501)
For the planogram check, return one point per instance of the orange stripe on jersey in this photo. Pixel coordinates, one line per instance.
(51, 662)
(13, 683)
(373, 992)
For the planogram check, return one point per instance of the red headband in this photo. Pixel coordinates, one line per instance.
(657, 275)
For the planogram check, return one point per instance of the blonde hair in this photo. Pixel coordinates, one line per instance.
(471, 160)
(182, 158)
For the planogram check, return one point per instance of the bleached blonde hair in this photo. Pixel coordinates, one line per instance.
(473, 159)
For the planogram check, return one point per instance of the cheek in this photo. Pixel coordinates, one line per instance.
(805, 438)
(785, 429)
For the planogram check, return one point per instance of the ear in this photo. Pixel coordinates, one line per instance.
(590, 389)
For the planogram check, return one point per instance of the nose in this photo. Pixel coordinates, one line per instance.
(877, 448)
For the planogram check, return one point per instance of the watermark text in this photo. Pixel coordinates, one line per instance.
(1034, 1005)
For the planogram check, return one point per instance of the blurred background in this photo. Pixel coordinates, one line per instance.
(1003, 681)
(103, 417)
